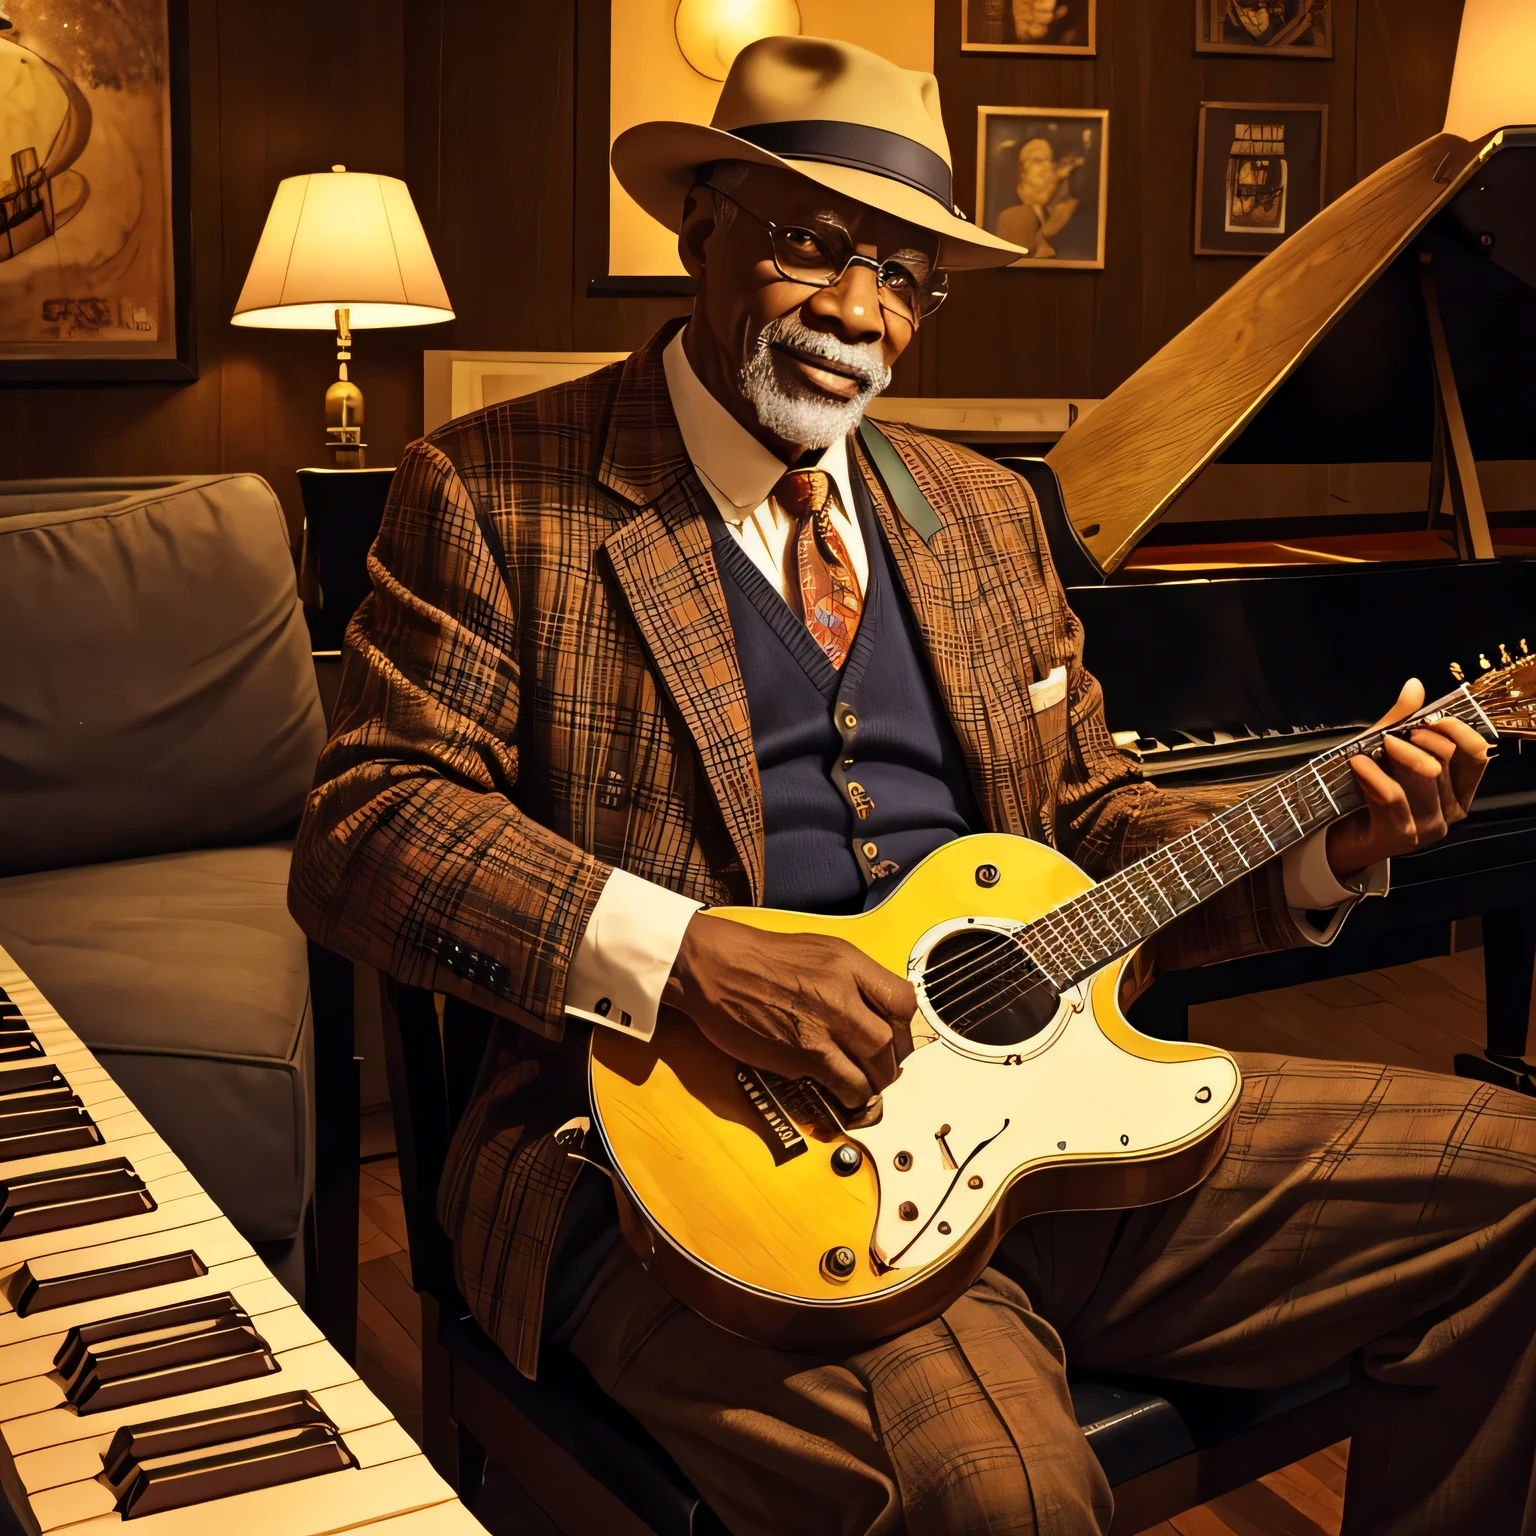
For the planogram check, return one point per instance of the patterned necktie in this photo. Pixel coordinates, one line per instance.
(829, 590)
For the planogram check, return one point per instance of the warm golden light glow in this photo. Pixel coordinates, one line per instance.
(342, 239)
(712, 32)
(1494, 84)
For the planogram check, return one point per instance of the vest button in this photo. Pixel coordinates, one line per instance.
(870, 850)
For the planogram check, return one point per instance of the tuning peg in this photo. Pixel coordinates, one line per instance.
(1457, 673)
(1505, 657)
(1483, 662)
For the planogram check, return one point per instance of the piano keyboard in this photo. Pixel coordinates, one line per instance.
(154, 1376)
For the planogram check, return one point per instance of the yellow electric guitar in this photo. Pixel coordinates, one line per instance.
(772, 1211)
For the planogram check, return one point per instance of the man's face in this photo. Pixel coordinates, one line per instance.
(796, 364)
(1037, 173)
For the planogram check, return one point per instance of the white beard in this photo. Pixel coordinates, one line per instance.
(786, 407)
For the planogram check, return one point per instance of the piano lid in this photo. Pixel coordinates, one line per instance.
(1122, 466)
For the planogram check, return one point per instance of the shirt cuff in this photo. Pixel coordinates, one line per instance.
(1313, 890)
(627, 953)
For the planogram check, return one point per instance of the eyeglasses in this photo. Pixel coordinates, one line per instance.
(802, 255)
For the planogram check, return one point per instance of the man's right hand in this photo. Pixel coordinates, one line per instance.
(799, 1004)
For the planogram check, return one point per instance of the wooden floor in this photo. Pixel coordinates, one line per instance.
(1413, 1015)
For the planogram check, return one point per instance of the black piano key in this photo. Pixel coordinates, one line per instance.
(38, 1098)
(70, 1197)
(42, 1117)
(19, 1046)
(28, 1294)
(30, 1079)
(10, 1016)
(161, 1352)
(155, 1467)
(46, 1130)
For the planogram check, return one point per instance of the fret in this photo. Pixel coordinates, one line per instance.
(1108, 887)
(1258, 824)
(1087, 932)
(1200, 849)
(1221, 822)
(1322, 786)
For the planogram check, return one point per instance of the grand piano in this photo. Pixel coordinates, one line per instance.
(1325, 484)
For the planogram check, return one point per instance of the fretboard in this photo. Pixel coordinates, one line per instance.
(1129, 907)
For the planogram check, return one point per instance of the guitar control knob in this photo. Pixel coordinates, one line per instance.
(839, 1263)
(846, 1160)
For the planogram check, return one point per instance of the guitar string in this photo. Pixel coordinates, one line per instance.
(1334, 761)
(1460, 704)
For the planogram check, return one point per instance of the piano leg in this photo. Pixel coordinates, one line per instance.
(1509, 961)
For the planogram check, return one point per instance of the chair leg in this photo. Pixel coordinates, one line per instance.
(440, 1437)
(331, 1287)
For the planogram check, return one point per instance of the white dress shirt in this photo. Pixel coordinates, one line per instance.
(633, 936)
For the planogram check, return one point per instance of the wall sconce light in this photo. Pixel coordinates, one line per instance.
(711, 33)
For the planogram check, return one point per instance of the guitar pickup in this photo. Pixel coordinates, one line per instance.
(28, 1294)
(162, 1352)
(32, 1132)
(219, 1452)
(71, 1197)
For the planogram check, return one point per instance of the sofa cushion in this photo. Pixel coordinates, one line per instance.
(188, 979)
(158, 692)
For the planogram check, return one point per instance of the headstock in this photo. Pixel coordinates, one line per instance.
(1506, 693)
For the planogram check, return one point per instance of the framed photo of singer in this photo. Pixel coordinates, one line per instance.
(1258, 174)
(1042, 182)
(1029, 26)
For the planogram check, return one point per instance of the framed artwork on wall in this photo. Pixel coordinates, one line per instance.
(1042, 181)
(1258, 174)
(95, 234)
(1028, 26)
(1298, 29)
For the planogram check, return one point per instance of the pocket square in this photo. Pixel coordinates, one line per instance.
(1048, 691)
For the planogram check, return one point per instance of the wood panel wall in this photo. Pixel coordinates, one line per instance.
(496, 115)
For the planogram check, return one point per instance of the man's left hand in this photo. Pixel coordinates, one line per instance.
(1420, 789)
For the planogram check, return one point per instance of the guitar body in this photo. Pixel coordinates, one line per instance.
(741, 1195)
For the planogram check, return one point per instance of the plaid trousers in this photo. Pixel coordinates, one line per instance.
(1358, 1209)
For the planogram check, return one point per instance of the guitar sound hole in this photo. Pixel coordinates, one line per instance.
(983, 986)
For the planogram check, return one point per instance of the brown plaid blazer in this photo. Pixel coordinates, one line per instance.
(543, 686)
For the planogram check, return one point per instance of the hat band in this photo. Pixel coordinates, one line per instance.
(859, 146)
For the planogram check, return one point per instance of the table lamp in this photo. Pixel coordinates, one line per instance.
(1493, 84)
(343, 249)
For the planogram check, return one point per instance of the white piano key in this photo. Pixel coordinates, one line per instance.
(351, 1407)
(174, 1211)
(146, 1150)
(448, 1519)
(214, 1242)
(314, 1506)
(310, 1367)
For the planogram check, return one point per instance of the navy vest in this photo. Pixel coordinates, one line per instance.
(861, 773)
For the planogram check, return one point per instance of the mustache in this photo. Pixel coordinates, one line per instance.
(863, 358)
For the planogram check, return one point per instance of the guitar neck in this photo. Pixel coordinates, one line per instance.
(1075, 940)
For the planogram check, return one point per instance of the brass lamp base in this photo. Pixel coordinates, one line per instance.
(344, 405)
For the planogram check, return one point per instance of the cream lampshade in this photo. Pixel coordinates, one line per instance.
(1494, 81)
(343, 249)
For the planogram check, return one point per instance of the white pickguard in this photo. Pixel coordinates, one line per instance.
(1081, 1089)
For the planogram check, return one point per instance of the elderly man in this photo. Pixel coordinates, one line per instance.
(592, 694)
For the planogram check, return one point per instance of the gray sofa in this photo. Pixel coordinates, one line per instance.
(159, 725)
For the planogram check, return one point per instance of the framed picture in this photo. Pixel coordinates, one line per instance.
(1298, 29)
(1027, 26)
(1042, 181)
(1258, 175)
(95, 238)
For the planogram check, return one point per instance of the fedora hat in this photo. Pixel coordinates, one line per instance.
(830, 111)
